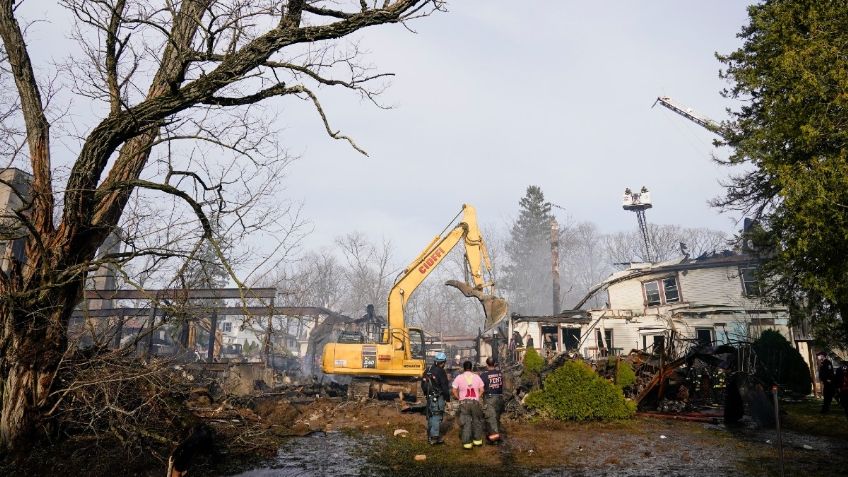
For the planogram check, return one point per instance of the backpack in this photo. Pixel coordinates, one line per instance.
(429, 384)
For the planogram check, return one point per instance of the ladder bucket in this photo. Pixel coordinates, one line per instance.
(494, 308)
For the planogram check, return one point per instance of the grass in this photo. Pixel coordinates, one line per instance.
(805, 417)
(450, 460)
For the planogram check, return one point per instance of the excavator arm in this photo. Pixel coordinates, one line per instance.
(477, 257)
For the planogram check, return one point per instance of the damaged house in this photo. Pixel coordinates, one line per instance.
(709, 300)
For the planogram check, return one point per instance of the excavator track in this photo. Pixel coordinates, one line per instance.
(362, 389)
(359, 389)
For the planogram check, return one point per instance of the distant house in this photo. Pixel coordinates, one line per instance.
(708, 300)
(14, 192)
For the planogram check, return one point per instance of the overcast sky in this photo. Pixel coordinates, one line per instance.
(494, 96)
(490, 98)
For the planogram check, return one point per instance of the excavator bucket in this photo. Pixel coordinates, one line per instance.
(494, 308)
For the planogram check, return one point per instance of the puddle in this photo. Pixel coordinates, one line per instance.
(319, 455)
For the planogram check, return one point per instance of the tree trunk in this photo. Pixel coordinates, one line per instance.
(19, 416)
(31, 348)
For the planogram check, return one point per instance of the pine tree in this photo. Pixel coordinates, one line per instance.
(528, 275)
(792, 75)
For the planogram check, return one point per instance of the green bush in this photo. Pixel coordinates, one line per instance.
(533, 362)
(576, 392)
(624, 375)
(533, 365)
(778, 362)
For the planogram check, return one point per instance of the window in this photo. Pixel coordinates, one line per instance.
(704, 336)
(607, 342)
(652, 293)
(226, 326)
(661, 292)
(416, 342)
(670, 289)
(571, 338)
(653, 343)
(750, 281)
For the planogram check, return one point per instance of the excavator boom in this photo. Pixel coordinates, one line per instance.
(477, 258)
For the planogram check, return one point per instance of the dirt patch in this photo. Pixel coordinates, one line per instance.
(348, 438)
(636, 447)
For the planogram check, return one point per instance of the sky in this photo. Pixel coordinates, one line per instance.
(490, 98)
(493, 96)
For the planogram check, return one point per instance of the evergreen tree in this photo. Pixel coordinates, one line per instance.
(527, 277)
(792, 74)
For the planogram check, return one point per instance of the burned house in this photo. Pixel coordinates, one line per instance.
(709, 300)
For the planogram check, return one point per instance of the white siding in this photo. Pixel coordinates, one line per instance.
(626, 295)
(626, 335)
(707, 286)
(713, 286)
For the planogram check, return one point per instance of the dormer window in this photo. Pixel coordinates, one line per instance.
(661, 292)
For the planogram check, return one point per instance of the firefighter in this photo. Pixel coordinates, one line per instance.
(468, 389)
(826, 375)
(437, 390)
(493, 403)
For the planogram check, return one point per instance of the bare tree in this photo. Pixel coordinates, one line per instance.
(583, 261)
(317, 279)
(367, 272)
(173, 78)
(439, 309)
(625, 247)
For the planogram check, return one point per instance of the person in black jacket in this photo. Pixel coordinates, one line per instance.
(828, 381)
(437, 391)
(493, 403)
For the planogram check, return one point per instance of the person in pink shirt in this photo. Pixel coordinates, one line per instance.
(467, 388)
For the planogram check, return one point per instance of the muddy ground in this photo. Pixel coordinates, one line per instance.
(359, 439)
(273, 436)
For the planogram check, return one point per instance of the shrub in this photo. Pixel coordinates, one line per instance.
(533, 362)
(624, 375)
(576, 392)
(778, 362)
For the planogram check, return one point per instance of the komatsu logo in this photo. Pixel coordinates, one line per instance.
(431, 260)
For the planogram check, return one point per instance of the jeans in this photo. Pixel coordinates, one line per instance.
(435, 412)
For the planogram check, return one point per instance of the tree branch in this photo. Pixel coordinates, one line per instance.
(276, 90)
(38, 128)
(112, 56)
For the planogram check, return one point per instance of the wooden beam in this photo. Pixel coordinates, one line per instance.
(220, 310)
(175, 294)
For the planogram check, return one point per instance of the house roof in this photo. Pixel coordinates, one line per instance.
(635, 270)
(565, 316)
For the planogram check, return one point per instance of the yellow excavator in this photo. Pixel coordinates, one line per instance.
(395, 363)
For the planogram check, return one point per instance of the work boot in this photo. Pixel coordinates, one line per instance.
(494, 437)
(467, 446)
(478, 443)
(434, 441)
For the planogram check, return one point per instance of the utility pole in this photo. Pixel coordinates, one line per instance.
(555, 264)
